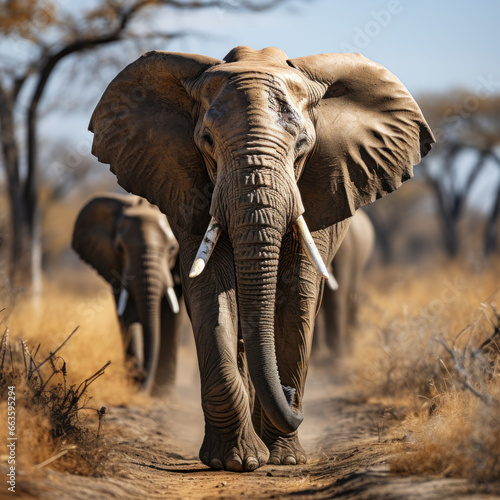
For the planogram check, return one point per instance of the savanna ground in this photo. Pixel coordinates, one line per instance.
(413, 412)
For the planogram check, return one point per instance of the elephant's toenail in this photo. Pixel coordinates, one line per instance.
(215, 463)
(273, 460)
(234, 464)
(302, 459)
(251, 464)
(290, 460)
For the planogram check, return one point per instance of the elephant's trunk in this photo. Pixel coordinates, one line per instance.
(256, 252)
(262, 211)
(147, 289)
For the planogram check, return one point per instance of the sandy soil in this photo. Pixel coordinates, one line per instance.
(154, 452)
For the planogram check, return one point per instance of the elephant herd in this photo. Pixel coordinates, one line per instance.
(130, 243)
(259, 162)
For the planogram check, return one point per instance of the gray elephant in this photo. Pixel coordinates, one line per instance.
(340, 304)
(129, 242)
(246, 156)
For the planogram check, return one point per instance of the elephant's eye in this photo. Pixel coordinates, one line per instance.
(301, 143)
(208, 139)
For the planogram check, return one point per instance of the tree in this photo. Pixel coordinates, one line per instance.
(490, 234)
(467, 129)
(38, 35)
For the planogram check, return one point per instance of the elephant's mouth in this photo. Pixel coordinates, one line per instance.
(212, 235)
(169, 294)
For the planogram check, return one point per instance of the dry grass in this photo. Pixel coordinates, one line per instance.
(424, 344)
(50, 418)
(458, 435)
(395, 353)
(56, 411)
(65, 306)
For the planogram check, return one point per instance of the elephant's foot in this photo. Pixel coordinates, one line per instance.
(284, 450)
(240, 451)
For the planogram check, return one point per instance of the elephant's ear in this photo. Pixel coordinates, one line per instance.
(370, 134)
(94, 234)
(143, 127)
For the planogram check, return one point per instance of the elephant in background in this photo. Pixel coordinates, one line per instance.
(339, 308)
(130, 243)
(258, 161)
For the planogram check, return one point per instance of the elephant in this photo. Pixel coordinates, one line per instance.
(130, 244)
(258, 161)
(339, 308)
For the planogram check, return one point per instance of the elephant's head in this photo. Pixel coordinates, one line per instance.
(250, 144)
(129, 242)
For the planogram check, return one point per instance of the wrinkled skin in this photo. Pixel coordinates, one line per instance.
(339, 309)
(254, 141)
(131, 245)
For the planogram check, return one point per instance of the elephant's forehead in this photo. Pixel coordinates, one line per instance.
(143, 209)
(149, 223)
(144, 214)
(272, 55)
(253, 78)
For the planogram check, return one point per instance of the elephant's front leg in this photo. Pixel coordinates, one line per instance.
(230, 442)
(297, 302)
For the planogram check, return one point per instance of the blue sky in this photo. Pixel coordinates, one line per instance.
(430, 45)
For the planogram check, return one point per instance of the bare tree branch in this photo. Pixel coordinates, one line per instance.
(60, 34)
(463, 374)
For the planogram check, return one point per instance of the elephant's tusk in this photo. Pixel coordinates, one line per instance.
(310, 248)
(206, 248)
(332, 283)
(122, 302)
(172, 300)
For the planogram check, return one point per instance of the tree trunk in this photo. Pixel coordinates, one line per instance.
(490, 237)
(21, 229)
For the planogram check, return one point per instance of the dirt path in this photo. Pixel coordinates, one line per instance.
(154, 455)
